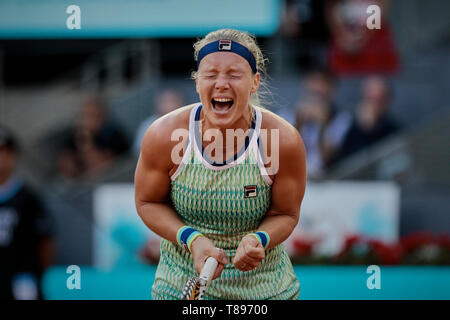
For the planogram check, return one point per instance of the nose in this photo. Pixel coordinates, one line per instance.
(222, 83)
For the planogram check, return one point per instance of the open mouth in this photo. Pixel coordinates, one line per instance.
(222, 105)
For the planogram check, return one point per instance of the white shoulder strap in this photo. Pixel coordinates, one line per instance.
(188, 149)
(259, 149)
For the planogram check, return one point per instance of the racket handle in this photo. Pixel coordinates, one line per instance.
(208, 270)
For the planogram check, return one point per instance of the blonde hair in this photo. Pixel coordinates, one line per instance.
(249, 41)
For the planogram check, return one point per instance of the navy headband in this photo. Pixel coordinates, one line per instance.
(227, 45)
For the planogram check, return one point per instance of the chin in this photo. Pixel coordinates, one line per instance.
(220, 120)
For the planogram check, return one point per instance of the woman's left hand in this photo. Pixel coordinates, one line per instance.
(249, 254)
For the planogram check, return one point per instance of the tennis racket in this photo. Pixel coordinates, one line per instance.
(195, 287)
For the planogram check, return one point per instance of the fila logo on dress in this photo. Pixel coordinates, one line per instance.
(250, 191)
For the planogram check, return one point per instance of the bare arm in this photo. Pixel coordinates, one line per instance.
(288, 188)
(152, 189)
(152, 183)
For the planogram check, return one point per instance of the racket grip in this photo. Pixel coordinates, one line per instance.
(208, 269)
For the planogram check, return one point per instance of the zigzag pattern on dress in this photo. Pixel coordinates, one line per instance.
(213, 202)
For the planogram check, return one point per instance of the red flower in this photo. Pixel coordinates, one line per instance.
(303, 247)
(415, 240)
(443, 240)
(388, 254)
(351, 240)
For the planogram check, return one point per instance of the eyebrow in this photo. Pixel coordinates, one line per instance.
(233, 69)
(230, 69)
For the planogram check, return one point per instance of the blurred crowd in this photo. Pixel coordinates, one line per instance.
(92, 143)
(335, 33)
(331, 133)
(26, 232)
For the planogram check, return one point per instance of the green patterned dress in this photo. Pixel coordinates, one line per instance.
(216, 200)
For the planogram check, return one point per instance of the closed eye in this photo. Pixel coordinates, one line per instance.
(212, 76)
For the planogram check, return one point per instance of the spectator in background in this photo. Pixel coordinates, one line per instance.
(354, 48)
(319, 121)
(92, 144)
(372, 121)
(304, 32)
(26, 246)
(165, 102)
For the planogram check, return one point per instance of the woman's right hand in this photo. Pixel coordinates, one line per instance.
(201, 249)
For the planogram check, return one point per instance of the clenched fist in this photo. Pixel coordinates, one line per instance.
(249, 254)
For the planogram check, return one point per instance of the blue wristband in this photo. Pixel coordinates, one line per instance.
(262, 237)
(185, 236)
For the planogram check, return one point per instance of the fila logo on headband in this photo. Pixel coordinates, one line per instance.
(228, 46)
(250, 191)
(225, 45)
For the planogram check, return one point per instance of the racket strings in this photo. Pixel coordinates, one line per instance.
(191, 290)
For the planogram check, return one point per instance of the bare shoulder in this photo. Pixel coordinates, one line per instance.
(283, 143)
(289, 137)
(159, 139)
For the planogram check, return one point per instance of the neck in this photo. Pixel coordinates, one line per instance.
(244, 122)
(229, 143)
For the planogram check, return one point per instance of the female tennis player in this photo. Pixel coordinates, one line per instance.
(236, 203)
